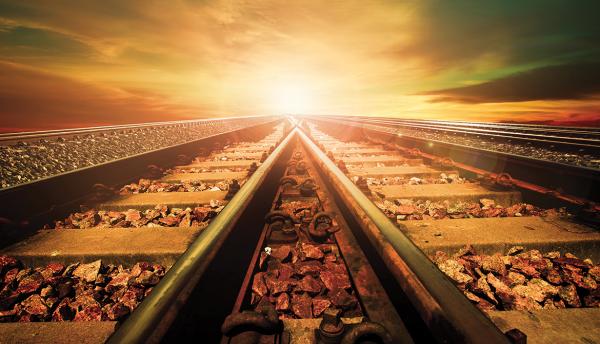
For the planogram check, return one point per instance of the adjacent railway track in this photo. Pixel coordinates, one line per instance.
(463, 220)
(7, 138)
(282, 234)
(560, 138)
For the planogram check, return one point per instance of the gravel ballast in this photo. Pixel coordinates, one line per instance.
(542, 153)
(28, 161)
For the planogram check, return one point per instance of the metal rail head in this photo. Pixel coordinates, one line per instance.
(455, 319)
(155, 314)
(27, 135)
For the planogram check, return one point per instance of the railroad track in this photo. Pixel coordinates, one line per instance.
(521, 162)
(463, 225)
(136, 234)
(561, 138)
(8, 138)
(261, 238)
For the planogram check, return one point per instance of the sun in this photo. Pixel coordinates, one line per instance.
(291, 99)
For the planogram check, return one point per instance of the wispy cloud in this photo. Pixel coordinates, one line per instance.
(38, 100)
(232, 57)
(573, 81)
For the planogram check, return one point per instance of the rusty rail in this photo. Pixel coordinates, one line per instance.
(445, 310)
(155, 314)
(495, 176)
(563, 196)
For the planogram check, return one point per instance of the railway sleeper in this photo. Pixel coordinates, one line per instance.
(553, 238)
(308, 270)
(125, 262)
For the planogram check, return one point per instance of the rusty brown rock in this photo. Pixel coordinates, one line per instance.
(525, 266)
(140, 267)
(568, 293)
(283, 302)
(516, 278)
(594, 272)
(311, 251)
(554, 277)
(483, 287)
(282, 252)
(311, 267)
(169, 221)
(319, 305)
(515, 250)
(472, 297)
(302, 306)
(592, 299)
(7, 263)
(262, 259)
(333, 281)
(147, 278)
(35, 305)
(30, 283)
(454, 270)
(286, 271)
(536, 289)
(494, 264)
(88, 272)
(91, 313)
(132, 297)
(341, 298)
(121, 280)
(47, 291)
(10, 276)
(258, 284)
(117, 311)
(309, 284)
(405, 209)
(133, 215)
(275, 285)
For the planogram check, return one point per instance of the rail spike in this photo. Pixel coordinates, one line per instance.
(301, 168)
(101, 192)
(322, 225)
(288, 181)
(263, 320)
(415, 152)
(504, 180)
(182, 159)
(281, 227)
(154, 172)
(366, 329)
(308, 187)
(342, 166)
(331, 156)
(234, 187)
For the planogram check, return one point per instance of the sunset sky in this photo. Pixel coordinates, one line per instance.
(85, 63)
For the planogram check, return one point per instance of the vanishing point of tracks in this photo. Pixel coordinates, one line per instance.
(313, 233)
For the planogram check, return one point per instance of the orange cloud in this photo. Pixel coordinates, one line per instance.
(39, 100)
(118, 61)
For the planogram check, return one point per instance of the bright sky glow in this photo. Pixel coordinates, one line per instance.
(120, 61)
(291, 99)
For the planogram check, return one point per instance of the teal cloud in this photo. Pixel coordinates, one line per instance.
(25, 41)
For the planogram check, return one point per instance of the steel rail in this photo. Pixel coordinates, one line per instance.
(454, 309)
(79, 170)
(26, 135)
(516, 182)
(552, 139)
(511, 126)
(575, 200)
(499, 129)
(394, 131)
(155, 314)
